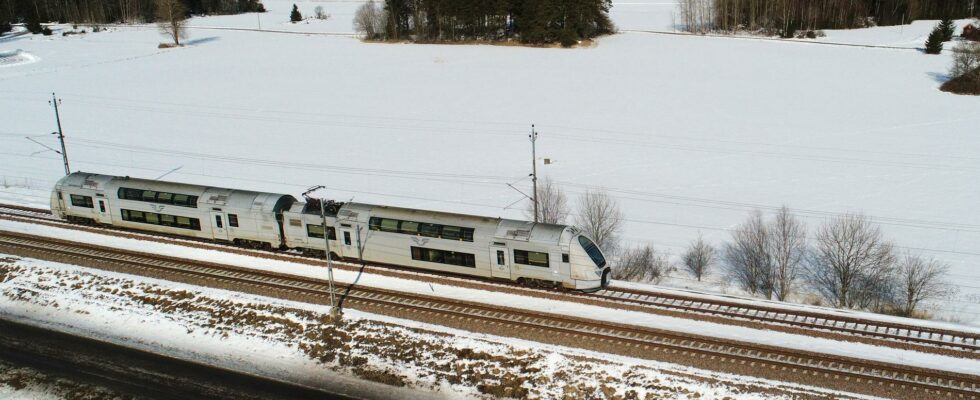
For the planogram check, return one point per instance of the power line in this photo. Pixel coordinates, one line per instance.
(487, 179)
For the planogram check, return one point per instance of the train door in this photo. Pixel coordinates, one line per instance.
(102, 213)
(499, 262)
(348, 245)
(218, 228)
(61, 201)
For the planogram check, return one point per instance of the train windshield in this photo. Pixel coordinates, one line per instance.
(593, 251)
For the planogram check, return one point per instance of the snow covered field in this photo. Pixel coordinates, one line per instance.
(689, 133)
(365, 355)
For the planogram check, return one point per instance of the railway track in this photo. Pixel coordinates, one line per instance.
(854, 374)
(965, 344)
(799, 318)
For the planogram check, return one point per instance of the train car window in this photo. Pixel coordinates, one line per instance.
(564, 257)
(450, 232)
(347, 238)
(233, 220)
(316, 231)
(420, 228)
(161, 219)
(500, 257)
(101, 206)
(152, 196)
(593, 251)
(389, 225)
(137, 216)
(82, 201)
(444, 257)
(429, 230)
(532, 258)
(217, 222)
(409, 227)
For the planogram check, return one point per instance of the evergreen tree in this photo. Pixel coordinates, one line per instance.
(948, 28)
(33, 25)
(5, 26)
(934, 44)
(295, 16)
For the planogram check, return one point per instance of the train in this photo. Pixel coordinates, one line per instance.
(529, 253)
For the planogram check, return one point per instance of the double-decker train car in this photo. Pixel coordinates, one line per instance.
(230, 215)
(532, 253)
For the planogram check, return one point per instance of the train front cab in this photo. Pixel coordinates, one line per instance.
(81, 197)
(589, 268)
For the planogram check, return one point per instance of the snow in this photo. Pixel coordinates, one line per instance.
(682, 325)
(124, 309)
(688, 133)
(16, 57)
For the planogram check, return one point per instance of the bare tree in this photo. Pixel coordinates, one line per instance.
(642, 264)
(171, 19)
(599, 215)
(699, 257)
(371, 21)
(747, 258)
(552, 203)
(697, 15)
(966, 60)
(852, 262)
(787, 249)
(318, 13)
(917, 280)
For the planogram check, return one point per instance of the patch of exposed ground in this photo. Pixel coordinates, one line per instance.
(24, 382)
(379, 349)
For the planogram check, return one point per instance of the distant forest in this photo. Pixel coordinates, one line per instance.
(111, 11)
(530, 21)
(784, 17)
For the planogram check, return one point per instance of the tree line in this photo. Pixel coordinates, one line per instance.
(786, 17)
(529, 21)
(112, 11)
(847, 262)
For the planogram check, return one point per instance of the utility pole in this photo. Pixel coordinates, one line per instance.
(334, 311)
(61, 136)
(534, 170)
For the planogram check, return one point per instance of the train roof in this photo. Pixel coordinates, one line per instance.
(510, 229)
(216, 196)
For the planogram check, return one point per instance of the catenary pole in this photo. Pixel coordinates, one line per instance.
(534, 170)
(334, 311)
(61, 136)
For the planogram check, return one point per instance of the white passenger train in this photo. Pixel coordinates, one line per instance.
(531, 253)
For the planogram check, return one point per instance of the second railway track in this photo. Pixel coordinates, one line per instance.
(952, 342)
